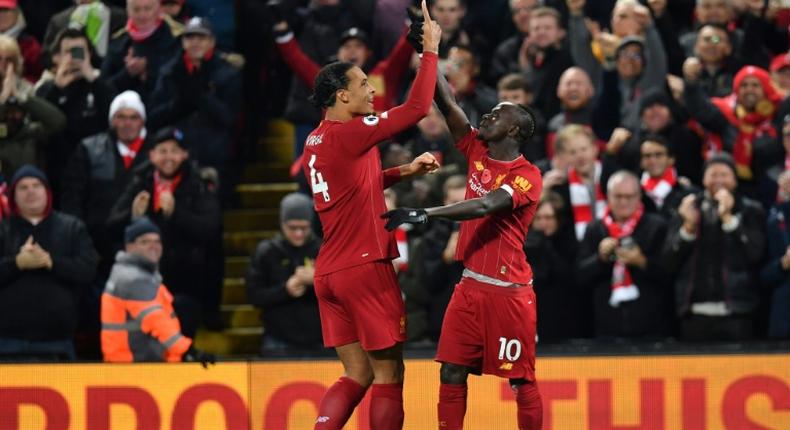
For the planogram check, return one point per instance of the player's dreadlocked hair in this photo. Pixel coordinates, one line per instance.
(331, 78)
(526, 123)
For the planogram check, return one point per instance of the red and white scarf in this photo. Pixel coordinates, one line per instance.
(129, 152)
(659, 188)
(623, 287)
(581, 200)
(138, 35)
(162, 185)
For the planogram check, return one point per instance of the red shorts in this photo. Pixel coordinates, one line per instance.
(490, 329)
(362, 303)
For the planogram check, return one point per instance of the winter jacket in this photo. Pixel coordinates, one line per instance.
(773, 275)
(138, 321)
(28, 144)
(293, 320)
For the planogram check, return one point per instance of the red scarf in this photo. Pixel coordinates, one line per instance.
(138, 35)
(162, 185)
(130, 151)
(659, 188)
(581, 201)
(191, 67)
(750, 125)
(623, 288)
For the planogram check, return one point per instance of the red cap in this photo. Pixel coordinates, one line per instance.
(8, 4)
(780, 62)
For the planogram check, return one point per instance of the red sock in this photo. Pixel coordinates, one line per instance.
(452, 406)
(338, 404)
(530, 407)
(386, 406)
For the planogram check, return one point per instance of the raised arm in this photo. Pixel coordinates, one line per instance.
(455, 117)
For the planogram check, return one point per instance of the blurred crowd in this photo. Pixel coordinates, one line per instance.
(663, 138)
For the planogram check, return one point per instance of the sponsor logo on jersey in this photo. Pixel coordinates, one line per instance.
(476, 186)
(522, 184)
(506, 366)
(371, 120)
(314, 140)
(322, 419)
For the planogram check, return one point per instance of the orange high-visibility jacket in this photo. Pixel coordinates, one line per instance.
(138, 321)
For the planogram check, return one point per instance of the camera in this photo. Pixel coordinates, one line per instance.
(77, 53)
(627, 242)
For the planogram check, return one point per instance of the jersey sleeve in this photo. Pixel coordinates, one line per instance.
(524, 186)
(362, 133)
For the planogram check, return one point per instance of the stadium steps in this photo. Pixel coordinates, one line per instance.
(264, 183)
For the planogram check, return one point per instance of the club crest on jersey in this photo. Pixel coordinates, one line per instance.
(370, 120)
(485, 177)
(499, 179)
(479, 166)
(522, 184)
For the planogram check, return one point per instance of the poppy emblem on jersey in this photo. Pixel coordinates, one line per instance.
(522, 184)
(371, 120)
(479, 166)
(485, 177)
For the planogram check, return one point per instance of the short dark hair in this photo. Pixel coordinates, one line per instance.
(514, 81)
(660, 140)
(330, 79)
(526, 122)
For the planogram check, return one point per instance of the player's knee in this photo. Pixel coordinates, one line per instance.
(453, 374)
(363, 375)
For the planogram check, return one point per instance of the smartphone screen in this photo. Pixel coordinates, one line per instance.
(77, 53)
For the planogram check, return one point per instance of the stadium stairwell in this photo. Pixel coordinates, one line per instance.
(264, 183)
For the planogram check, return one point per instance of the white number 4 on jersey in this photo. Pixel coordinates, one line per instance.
(317, 182)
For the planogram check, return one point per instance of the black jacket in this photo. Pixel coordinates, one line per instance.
(718, 265)
(85, 104)
(292, 320)
(158, 49)
(188, 236)
(92, 183)
(649, 315)
(205, 104)
(545, 78)
(559, 299)
(42, 305)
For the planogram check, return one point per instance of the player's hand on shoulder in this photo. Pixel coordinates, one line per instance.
(399, 216)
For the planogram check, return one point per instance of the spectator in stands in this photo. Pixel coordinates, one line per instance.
(473, 96)
(96, 18)
(137, 53)
(776, 271)
(79, 91)
(173, 194)
(715, 247)
(555, 168)
(514, 88)
(575, 93)
(620, 259)
(138, 323)
(26, 122)
(634, 50)
(200, 91)
(280, 280)
(101, 168)
(551, 251)
(662, 188)
(716, 12)
(659, 115)
(177, 10)
(583, 188)
(714, 50)
(435, 267)
(741, 123)
(543, 57)
(506, 56)
(47, 260)
(780, 73)
(12, 24)
(449, 14)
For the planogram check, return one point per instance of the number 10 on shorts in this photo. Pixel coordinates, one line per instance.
(510, 349)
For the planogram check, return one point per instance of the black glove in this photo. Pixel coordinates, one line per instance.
(204, 358)
(415, 29)
(400, 216)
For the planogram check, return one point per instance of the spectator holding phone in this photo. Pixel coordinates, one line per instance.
(776, 272)
(620, 259)
(78, 90)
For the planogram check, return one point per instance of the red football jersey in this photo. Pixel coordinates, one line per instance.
(343, 166)
(494, 245)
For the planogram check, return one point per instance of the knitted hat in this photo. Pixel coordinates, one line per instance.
(720, 158)
(127, 100)
(29, 171)
(654, 96)
(139, 227)
(296, 206)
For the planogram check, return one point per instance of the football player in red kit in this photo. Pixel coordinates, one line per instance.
(362, 313)
(490, 323)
